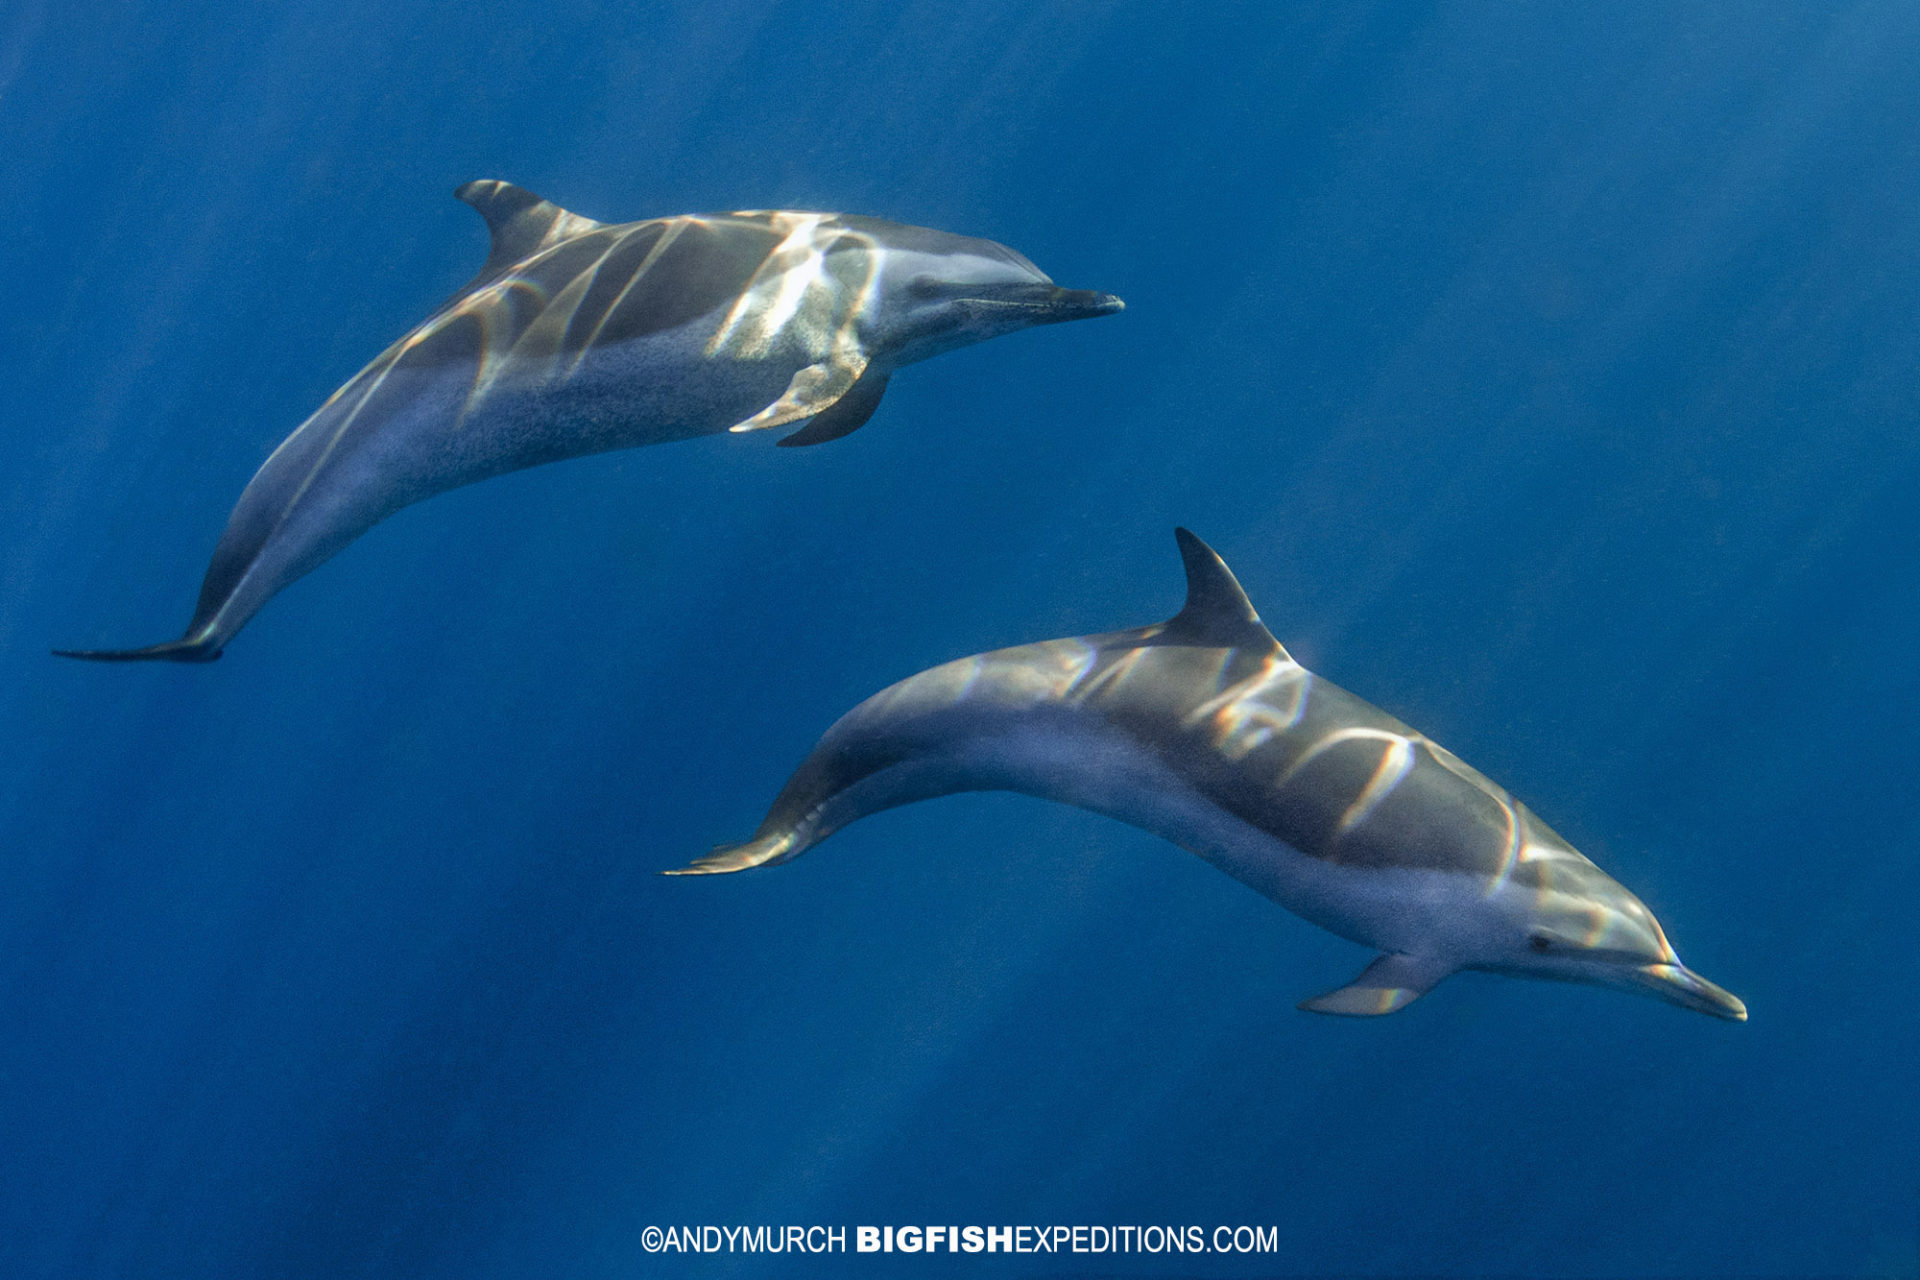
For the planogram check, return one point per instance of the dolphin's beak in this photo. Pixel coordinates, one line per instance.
(1681, 985)
(1044, 303)
(1080, 304)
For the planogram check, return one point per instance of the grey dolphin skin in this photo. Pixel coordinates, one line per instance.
(1203, 731)
(579, 337)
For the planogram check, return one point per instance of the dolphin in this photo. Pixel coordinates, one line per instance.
(1204, 731)
(578, 337)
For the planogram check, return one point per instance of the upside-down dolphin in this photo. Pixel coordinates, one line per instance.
(579, 337)
(1205, 732)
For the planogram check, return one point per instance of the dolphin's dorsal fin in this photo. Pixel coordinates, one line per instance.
(520, 222)
(1217, 613)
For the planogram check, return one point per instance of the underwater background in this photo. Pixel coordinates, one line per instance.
(1547, 372)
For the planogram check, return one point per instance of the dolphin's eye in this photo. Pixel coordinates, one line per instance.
(923, 286)
(1540, 942)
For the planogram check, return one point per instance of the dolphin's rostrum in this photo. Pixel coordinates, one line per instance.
(579, 337)
(1204, 731)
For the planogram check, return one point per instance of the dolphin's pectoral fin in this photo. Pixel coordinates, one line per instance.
(738, 857)
(1390, 983)
(847, 415)
(813, 391)
(171, 651)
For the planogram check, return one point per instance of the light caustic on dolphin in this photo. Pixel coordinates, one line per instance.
(579, 337)
(1205, 732)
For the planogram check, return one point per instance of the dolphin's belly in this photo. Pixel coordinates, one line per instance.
(623, 397)
(401, 435)
(1082, 761)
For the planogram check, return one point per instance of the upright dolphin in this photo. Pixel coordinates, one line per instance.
(1203, 731)
(578, 337)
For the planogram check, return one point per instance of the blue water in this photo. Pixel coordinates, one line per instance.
(1547, 372)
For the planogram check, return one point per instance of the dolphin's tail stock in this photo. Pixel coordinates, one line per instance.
(185, 649)
(757, 852)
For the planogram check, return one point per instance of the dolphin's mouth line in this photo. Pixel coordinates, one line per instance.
(1670, 981)
(1046, 296)
(1682, 986)
(1067, 304)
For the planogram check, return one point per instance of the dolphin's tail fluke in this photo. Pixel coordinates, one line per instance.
(757, 852)
(182, 650)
